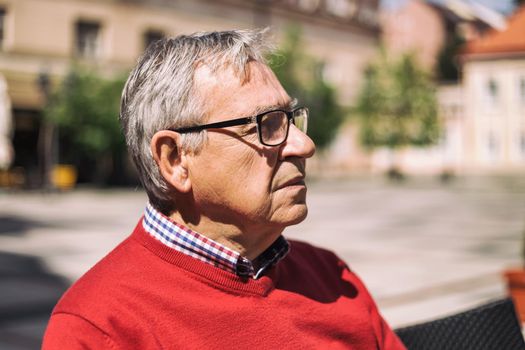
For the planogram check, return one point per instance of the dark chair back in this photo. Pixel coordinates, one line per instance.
(492, 326)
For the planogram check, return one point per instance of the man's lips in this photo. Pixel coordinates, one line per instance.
(294, 181)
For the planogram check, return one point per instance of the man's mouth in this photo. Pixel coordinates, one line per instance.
(294, 181)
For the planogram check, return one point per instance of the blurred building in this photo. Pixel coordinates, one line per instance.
(415, 27)
(494, 91)
(40, 39)
(434, 31)
(483, 112)
(426, 28)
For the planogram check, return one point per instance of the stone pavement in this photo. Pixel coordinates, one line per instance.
(424, 249)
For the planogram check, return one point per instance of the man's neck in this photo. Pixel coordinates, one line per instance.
(247, 241)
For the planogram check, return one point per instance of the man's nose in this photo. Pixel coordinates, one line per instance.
(298, 144)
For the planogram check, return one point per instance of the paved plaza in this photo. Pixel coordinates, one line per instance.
(424, 248)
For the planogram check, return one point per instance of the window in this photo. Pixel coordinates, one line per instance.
(2, 27)
(492, 145)
(492, 93)
(87, 39)
(522, 144)
(151, 36)
(521, 91)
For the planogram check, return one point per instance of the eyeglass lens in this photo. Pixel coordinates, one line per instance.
(300, 119)
(274, 126)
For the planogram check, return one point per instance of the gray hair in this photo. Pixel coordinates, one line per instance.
(160, 93)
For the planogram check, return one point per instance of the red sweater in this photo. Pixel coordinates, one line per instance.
(145, 295)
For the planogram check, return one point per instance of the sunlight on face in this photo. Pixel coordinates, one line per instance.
(235, 179)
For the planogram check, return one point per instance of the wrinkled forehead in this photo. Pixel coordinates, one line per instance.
(227, 92)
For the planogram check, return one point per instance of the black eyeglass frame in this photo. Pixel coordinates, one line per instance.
(248, 120)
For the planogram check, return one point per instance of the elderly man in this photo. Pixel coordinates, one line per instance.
(221, 150)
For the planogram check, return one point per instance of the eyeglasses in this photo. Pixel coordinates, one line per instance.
(272, 126)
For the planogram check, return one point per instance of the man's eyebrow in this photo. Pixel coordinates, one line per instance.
(288, 106)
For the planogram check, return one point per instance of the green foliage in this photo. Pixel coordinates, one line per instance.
(85, 108)
(397, 105)
(301, 76)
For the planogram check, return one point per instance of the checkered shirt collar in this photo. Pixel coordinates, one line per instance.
(200, 247)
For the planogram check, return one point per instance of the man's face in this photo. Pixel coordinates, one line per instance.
(235, 179)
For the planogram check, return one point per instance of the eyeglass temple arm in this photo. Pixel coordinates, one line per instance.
(224, 124)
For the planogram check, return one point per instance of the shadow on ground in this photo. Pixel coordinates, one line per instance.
(11, 225)
(28, 293)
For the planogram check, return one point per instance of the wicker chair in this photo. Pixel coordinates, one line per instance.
(493, 326)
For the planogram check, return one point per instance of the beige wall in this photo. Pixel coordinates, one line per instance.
(501, 115)
(39, 36)
(416, 27)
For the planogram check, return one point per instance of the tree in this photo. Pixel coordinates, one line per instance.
(85, 109)
(397, 105)
(301, 76)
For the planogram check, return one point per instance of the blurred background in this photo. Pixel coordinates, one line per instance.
(418, 113)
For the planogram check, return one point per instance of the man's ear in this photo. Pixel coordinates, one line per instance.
(171, 159)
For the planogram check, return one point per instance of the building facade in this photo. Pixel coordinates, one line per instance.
(482, 113)
(40, 39)
(494, 91)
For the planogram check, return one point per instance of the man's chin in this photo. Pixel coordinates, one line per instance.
(296, 215)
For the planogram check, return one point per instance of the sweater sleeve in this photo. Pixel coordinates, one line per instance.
(68, 331)
(387, 338)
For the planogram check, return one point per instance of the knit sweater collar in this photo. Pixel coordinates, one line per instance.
(207, 273)
(198, 246)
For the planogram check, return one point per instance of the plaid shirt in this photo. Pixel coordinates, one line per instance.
(200, 247)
